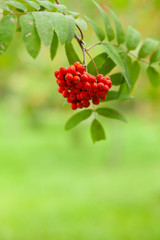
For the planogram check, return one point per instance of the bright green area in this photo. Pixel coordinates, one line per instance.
(58, 185)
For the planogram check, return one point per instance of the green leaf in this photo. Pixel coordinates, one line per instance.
(133, 38)
(97, 131)
(103, 62)
(44, 25)
(71, 27)
(147, 48)
(108, 27)
(99, 32)
(7, 29)
(5, 7)
(30, 35)
(134, 71)
(33, 4)
(119, 29)
(81, 23)
(71, 54)
(54, 46)
(110, 113)
(47, 5)
(114, 95)
(61, 26)
(155, 57)
(73, 14)
(77, 118)
(117, 79)
(153, 77)
(61, 8)
(16, 5)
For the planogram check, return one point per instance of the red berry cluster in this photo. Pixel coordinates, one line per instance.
(79, 86)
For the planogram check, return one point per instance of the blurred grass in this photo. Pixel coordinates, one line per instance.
(58, 185)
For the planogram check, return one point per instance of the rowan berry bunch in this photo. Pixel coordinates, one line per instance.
(79, 87)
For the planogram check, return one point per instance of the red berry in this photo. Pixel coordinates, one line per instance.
(100, 94)
(85, 103)
(106, 88)
(95, 100)
(56, 73)
(100, 86)
(69, 100)
(109, 83)
(94, 87)
(99, 76)
(63, 70)
(60, 77)
(72, 96)
(60, 89)
(74, 106)
(83, 94)
(103, 98)
(69, 77)
(78, 97)
(80, 68)
(79, 105)
(65, 93)
(79, 85)
(61, 83)
(77, 64)
(84, 78)
(76, 79)
(87, 85)
(71, 69)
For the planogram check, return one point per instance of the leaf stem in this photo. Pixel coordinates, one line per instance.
(92, 60)
(116, 45)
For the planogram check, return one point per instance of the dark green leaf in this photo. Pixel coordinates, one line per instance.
(147, 48)
(156, 56)
(54, 46)
(16, 5)
(61, 8)
(110, 113)
(134, 71)
(30, 35)
(46, 4)
(133, 38)
(99, 32)
(103, 62)
(117, 78)
(114, 95)
(97, 131)
(71, 54)
(7, 29)
(44, 25)
(119, 29)
(33, 4)
(108, 27)
(77, 118)
(81, 23)
(153, 76)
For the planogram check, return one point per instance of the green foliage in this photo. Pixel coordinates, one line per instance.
(155, 56)
(153, 76)
(103, 62)
(78, 118)
(147, 48)
(71, 53)
(110, 113)
(48, 22)
(119, 29)
(97, 131)
(98, 31)
(54, 46)
(30, 36)
(108, 27)
(7, 29)
(133, 38)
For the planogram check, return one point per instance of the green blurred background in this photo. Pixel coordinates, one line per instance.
(58, 185)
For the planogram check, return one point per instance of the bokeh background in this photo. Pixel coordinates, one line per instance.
(58, 185)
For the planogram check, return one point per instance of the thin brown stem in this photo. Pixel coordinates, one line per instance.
(92, 61)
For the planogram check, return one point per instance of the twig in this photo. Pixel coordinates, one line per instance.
(116, 45)
(92, 61)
